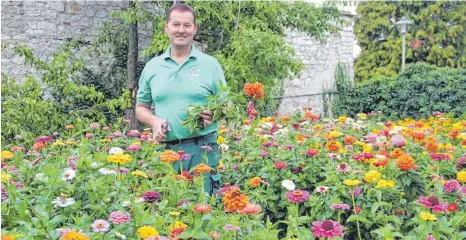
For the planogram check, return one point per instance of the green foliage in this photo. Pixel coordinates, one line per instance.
(415, 93)
(248, 38)
(437, 35)
(42, 106)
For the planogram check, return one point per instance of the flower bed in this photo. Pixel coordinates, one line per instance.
(294, 177)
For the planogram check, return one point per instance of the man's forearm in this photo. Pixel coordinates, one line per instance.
(145, 115)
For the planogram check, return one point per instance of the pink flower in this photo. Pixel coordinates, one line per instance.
(451, 186)
(289, 147)
(63, 231)
(343, 167)
(398, 141)
(44, 139)
(89, 135)
(437, 113)
(234, 167)
(126, 121)
(119, 217)
(264, 154)
(117, 134)
(133, 133)
(134, 147)
(280, 165)
(151, 196)
(327, 229)
(311, 153)
(321, 189)
(230, 227)
(94, 125)
(140, 162)
(207, 147)
(340, 206)
(356, 192)
(349, 147)
(105, 128)
(440, 156)
(430, 237)
(433, 203)
(185, 156)
(101, 226)
(267, 144)
(460, 163)
(463, 190)
(250, 209)
(297, 196)
(18, 148)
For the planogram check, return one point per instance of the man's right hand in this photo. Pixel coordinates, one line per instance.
(157, 130)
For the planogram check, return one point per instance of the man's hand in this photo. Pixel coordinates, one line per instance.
(207, 117)
(157, 130)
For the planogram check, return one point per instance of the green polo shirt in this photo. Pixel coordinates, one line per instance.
(173, 87)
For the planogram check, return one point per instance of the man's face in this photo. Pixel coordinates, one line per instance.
(180, 28)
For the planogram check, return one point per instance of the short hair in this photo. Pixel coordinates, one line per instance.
(181, 7)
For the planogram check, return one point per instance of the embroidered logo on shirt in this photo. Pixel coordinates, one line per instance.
(195, 73)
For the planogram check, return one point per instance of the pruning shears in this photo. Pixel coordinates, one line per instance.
(165, 127)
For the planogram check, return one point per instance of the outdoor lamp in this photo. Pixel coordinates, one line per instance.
(403, 23)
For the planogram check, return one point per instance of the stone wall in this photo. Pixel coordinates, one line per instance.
(321, 61)
(45, 25)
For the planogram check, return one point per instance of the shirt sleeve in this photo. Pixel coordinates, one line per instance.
(219, 79)
(144, 95)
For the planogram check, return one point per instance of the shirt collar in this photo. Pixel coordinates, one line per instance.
(194, 52)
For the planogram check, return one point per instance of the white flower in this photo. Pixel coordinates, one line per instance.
(321, 189)
(288, 184)
(63, 201)
(393, 132)
(94, 165)
(224, 147)
(105, 171)
(334, 156)
(115, 150)
(119, 235)
(125, 203)
(68, 174)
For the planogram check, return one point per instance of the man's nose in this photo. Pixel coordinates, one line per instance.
(181, 29)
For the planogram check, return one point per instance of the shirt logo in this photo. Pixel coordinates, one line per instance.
(195, 73)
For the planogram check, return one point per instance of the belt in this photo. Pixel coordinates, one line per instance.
(189, 140)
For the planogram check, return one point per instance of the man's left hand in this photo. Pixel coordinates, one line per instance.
(207, 117)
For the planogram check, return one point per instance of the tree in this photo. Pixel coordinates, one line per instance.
(437, 35)
(132, 66)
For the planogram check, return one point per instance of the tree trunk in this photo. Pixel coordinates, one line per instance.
(131, 65)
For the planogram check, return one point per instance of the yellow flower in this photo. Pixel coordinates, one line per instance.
(59, 142)
(74, 236)
(139, 173)
(362, 115)
(6, 177)
(372, 176)
(147, 231)
(342, 119)
(105, 140)
(220, 165)
(386, 184)
(7, 155)
(220, 140)
(443, 181)
(352, 183)
(178, 224)
(222, 131)
(428, 216)
(359, 143)
(334, 134)
(69, 126)
(176, 214)
(367, 148)
(71, 142)
(461, 176)
(119, 158)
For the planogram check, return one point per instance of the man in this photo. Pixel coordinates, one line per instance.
(180, 77)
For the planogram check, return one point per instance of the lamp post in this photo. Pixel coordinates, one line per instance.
(403, 23)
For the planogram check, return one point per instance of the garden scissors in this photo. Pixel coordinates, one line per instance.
(165, 127)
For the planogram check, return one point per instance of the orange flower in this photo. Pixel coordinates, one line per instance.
(311, 116)
(405, 162)
(250, 209)
(202, 168)
(236, 153)
(169, 156)
(300, 138)
(432, 146)
(202, 208)
(349, 140)
(418, 135)
(39, 145)
(254, 90)
(233, 200)
(6, 237)
(454, 133)
(397, 152)
(285, 119)
(333, 146)
(255, 181)
(69, 126)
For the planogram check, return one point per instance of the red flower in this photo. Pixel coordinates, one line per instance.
(452, 207)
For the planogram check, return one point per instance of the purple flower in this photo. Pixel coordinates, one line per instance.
(340, 206)
(207, 147)
(356, 192)
(4, 193)
(398, 141)
(151, 196)
(230, 227)
(461, 162)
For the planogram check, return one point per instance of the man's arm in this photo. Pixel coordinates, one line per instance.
(145, 115)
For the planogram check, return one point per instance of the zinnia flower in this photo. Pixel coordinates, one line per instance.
(461, 162)
(280, 165)
(343, 167)
(452, 207)
(202, 208)
(139, 173)
(233, 200)
(461, 176)
(288, 184)
(427, 216)
(63, 201)
(202, 168)
(254, 90)
(321, 189)
(255, 181)
(372, 176)
(101, 226)
(340, 206)
(297, 196)
(230, 227)
(6, 155)
(356, 192)
(169, 156)
(115, 150)
(451, 186)
(119, 158)
(327, 229)
(134, 147)
(151, 196)
(433, 203)
(119, 217)
(147, 231)
(250, 209)
(398, 141)
(68, 174)
(405, 162)
(351, 183)
(386, 184)
(73, 235)
(133, 133)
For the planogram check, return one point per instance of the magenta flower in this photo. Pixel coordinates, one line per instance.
(437, 113)
(133, 133)
(185, 156)
(134, 147)
(327, 229)
(207, 147)
(433, 203)
(451, 186)
(4, 193)
(461, 162)
(356, 192)
(340, 206)
(297, 196)
(398, 141)
(101, 226)
(311, 153)
(119, 217)
(44, 139)
(267, 144)
(280, 165)
(264, 154)
(151, 196)
(430, 237)
(440, 156)
(234, 167)
(289, 147)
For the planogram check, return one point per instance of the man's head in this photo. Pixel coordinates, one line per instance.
(181, 25)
